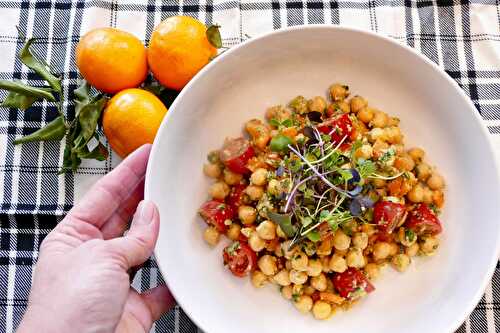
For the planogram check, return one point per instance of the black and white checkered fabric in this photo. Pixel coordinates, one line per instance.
(462, 37)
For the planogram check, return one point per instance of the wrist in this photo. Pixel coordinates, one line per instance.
(40, 319)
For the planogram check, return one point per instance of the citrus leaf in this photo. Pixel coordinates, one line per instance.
(99, 153)
(38, 66)
(18, 101)
(213, 36)
(24, 89)
(55, 130)
(82, 96)
(89, 116)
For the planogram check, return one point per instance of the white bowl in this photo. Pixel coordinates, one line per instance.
(436, 293)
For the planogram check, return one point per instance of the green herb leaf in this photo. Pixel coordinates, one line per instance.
(213, 36)
(355, 146)
(366, 168)
(55, 130)
(287, 122)
(274, 122)
(313, 236)
(306, 221)
(233, 247)
(38, 66)
(409, 235)
(284, 221)
(386, 157)
(280, 143)
(24, 89)
(345, 174)
(308, 194)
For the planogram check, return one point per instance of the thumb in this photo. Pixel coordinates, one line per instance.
(138, 244)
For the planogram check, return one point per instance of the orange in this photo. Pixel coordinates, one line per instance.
(178, 49)
(111, 60)
(132, 118)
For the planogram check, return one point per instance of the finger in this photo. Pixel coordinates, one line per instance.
(159, 300)
(118, 222)
(138, 244)
(102, 200)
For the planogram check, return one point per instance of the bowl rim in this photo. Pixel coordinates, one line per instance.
(455, 324)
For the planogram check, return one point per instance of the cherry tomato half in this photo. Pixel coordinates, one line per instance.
(235, 154)
(352, 284)
(240, 258)
(235, 198)
(342, 125)
(387, 215)
(215, 212)
(422, 220)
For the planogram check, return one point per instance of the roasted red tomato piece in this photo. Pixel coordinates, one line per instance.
(235, 154)
(340, 127)
(240, 258)
(352, 284)
(422, 220)
(215, 212)
(235, 198)
(387, 215)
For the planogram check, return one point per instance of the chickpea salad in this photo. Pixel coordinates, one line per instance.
(319, 198)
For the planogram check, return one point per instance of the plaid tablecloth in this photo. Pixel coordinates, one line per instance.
(463, 37)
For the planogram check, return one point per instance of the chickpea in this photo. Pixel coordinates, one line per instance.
(404, 163)
(304, 303)
(247, 214)
(300, 261)
(365, 151)
(393, 134)
(394, 249)
(438, 198)
(360, 240)
(286, 292)
(331, 297)
(267, 264)
(372, 271)
(258, 279)
(381, 250)
(259, 177)
(423, 171)
(378, 183)
(337, 264)
(427, 198)
(412, 250)
(247, 232)
(339, 92)
(325, 247)
(233, 232)
(256, 243)
(309, 248)
(358, 103)
(299, 104)
(325, 264)
(368, 229)
(400, 262)
(277, 112)
(298, 289)
(317, 104)
(380, 119)
(282, 278)
(297, 277)
(355, 258)
(314, 267)
(280, 233)
(266, 230)
(273, 187)
(288, 264)
(435, 181)
(377, 134)
(417, 154)
(343, 106)
(232, 178)
(288, 253)
(416, 194)
(341, 241)
(321, 310)
(319, 282)
(212, 170)
(365, 114)
(219, 190)
(429, 245)
(254, 192)
(211, 236)
(259, 132)
(308, 290)
(399, 148)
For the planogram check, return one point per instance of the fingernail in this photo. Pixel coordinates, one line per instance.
(146, 211)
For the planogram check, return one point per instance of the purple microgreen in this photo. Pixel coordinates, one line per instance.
(355, 177)
(355, 207)
(365, 201)
(309, 133)
(280, 171)
(355, 191)
(314, 116)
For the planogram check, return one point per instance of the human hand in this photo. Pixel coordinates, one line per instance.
(81, 282)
